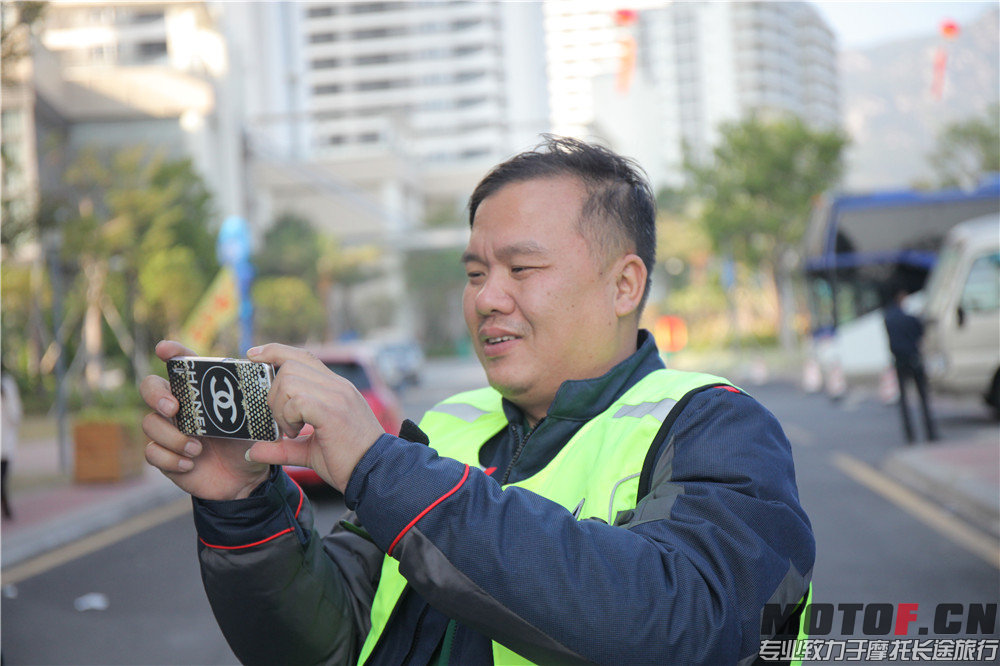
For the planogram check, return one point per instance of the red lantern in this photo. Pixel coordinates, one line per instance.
(949, 29)
(626, 17)
(670, 333)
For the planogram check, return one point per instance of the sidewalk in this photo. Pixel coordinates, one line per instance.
(50, 510)
(962, 476)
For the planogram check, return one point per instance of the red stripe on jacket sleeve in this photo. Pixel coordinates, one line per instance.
(302, 496)
(427, 510)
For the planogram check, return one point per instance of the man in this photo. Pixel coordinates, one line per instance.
(590, 506)
(905, 331)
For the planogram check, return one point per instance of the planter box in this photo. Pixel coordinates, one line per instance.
(107, 451)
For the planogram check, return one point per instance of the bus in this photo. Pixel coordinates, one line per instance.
(855, 247)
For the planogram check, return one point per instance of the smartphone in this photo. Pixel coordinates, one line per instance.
(223, 397)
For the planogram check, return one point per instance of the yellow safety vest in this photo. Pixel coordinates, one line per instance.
(595, 474)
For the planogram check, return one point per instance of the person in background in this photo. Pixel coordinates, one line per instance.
(10, 433)
(588, 506)
(905, 332)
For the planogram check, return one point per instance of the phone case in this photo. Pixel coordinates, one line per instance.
(223, 397)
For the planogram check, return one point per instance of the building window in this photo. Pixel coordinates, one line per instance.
(464, 24)
(325, 63)
(377, 33)
(319, 12)
(152, 50)
(327, 89)
(147, 17)
(380, 58)
(372, 7)
(322, 37)
(462, 77)
(328, 115)
(467, 50)
(473, 153)
(465, 102)
(382, 84)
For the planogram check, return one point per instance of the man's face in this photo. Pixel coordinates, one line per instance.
(538, 303)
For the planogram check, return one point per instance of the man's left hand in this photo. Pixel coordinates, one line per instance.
(306, 392)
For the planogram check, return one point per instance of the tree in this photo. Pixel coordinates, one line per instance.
(434, 278)
(17, 202)
(18, 19)
(968, 149)
(138, 241)
(434, 281)
(758, 192)
(291, 246)
(287, 310)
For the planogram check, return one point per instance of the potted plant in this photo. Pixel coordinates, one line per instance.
(108, 444)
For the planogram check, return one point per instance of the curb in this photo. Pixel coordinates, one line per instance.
(29, 542)
(966, 489)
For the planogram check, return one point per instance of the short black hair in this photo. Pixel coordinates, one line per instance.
(617, 187)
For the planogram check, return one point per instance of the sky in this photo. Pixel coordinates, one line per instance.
(862, 24)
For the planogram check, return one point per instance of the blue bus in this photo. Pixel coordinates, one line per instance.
(857, 245)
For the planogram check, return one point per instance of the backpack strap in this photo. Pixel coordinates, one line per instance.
(652, 455)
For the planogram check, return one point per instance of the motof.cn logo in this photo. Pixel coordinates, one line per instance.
(223, 394)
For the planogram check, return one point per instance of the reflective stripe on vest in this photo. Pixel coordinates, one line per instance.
(595, 474)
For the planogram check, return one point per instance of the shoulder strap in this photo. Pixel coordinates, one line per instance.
(652, 455)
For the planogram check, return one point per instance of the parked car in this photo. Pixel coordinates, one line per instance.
(961, 345)
(357, 365)
(400, 362)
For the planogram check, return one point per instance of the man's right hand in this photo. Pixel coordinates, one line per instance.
(209, 468)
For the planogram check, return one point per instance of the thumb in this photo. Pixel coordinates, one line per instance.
(283, 452)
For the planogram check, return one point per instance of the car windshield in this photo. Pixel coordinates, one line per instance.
(352, 372)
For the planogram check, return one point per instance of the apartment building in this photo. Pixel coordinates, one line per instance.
(696, 66)
(406, 103)
(116, 74)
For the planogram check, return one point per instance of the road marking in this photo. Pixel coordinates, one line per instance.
(94, 542)
(973, 540)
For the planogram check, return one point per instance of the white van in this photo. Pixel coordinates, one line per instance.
(961, 343)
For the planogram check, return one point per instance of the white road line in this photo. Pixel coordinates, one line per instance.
(94, 542)
(978, 543)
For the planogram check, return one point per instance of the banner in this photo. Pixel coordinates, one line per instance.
(218, 307)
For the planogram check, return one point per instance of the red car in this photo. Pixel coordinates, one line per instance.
(357, 365)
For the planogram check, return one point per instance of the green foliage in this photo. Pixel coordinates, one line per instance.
(290, 247)
(759, 189)
(968, 149)
(152, 219)
(435, 279)
(167, 282)
(287, 310)
(18, 19)
(138, 245)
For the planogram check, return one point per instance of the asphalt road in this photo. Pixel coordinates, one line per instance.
(147, 605)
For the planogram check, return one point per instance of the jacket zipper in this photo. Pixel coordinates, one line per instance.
(521, 442)
(416, 636)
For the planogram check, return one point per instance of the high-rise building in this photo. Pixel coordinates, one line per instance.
(695, 66)
(428, 94)
(581, 45)
(370, 118)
